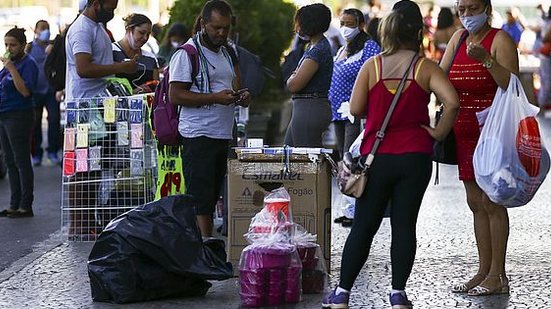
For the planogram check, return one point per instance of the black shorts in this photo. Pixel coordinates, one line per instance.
(204, 166)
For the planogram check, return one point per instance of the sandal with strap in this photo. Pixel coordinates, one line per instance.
(480, 290)
(465, 287)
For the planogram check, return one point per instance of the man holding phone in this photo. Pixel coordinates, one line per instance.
(207, 103)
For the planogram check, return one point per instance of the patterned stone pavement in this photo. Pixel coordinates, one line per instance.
(54, 275)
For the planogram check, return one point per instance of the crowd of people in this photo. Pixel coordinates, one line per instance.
(459, 56)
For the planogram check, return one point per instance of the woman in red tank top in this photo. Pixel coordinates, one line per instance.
(402, 166)
(484, 61)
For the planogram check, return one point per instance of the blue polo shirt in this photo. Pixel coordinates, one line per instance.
(10, 98)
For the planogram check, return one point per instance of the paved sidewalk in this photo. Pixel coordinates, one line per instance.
(54, 275)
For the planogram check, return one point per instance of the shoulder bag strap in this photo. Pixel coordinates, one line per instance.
(462, 38)
(381, 132)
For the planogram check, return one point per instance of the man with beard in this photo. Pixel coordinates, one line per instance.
(207, 102)
(89, 52)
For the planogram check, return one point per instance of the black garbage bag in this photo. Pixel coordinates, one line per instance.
(155, 251)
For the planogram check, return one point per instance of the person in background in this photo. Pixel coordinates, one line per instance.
(484, 61)
(402, 165)
(18, 79)
(89, 52)
(44, 97)
(445, 29)
(544, 54)
(347, 63)
(138, 30)
(372, 29)
(512, 26)
(311, 80)
(152, 44)
(177, 35)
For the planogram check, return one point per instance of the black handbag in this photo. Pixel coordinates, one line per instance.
(445, 151)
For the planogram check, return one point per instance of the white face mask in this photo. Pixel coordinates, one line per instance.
(304, 37)
(131, 41)
(175, 44)
(349, 33)
(475, 22)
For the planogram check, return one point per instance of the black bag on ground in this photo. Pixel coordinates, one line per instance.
(155, 251)
(444, 151)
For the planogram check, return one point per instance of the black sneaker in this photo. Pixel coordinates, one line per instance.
(339, 219)
(347, 222)
(21, 214)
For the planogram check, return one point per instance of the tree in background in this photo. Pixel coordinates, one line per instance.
(265, 27)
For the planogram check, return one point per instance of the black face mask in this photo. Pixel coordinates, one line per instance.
(207, 39)
(103, 16)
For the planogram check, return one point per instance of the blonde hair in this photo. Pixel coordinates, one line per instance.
(397, 31)
(388, 33)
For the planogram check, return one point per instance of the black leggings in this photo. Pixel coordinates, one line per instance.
(402, 179)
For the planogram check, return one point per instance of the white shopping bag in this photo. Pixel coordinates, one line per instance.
(355, 147)
(510, 161)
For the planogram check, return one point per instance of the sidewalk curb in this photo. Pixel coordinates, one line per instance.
(39, 249)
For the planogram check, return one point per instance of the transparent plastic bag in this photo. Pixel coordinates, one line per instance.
(314, 273)
(270, 274)
(273, 222)
(354, 149)
(510, 160)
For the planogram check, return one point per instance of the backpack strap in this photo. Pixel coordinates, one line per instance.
(193, 57)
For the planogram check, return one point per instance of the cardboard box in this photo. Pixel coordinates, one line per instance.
(308, 184)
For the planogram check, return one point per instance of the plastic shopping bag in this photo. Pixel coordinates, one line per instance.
(510, 160)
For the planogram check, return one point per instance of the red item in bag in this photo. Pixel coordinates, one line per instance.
(528, 144)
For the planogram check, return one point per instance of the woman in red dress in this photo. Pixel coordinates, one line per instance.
(484, 61)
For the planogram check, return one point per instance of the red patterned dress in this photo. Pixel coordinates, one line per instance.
(476, 89)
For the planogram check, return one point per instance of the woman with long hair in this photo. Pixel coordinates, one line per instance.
(402, 166)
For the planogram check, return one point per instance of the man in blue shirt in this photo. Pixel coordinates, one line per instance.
(44, 96)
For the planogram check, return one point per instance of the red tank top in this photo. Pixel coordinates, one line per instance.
(475, 86)
(404, 133)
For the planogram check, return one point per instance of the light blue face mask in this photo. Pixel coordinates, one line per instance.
(475, 22)
(44, 35)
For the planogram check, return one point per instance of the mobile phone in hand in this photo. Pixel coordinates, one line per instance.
(240, 91)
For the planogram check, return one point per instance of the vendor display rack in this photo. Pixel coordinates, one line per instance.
(109, 162)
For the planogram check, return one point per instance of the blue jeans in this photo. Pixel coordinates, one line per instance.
(54, 127)
(15, 138)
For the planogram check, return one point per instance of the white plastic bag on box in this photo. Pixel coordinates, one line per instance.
(510, 160)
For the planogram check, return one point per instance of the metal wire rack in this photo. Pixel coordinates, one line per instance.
(109, 162)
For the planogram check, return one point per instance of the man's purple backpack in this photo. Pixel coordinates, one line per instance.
(165, 115)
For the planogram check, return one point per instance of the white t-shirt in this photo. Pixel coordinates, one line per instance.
(90, 37)
(213, 120)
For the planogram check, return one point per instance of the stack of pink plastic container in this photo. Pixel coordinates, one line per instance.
(270, 269)
(270, 275)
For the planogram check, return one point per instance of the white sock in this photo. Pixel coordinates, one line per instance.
(392, 292)
(341, 290)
